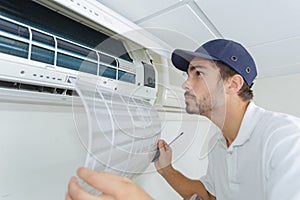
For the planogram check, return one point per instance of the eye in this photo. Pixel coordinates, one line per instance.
(199, 73)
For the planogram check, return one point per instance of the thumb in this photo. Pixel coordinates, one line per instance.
(161, 144)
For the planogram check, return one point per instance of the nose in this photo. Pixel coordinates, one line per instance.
(186, 85)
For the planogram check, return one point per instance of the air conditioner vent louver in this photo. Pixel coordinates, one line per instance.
(36, 88)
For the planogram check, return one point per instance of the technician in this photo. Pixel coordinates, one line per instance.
(255, 156)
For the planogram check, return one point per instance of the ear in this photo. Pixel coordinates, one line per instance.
(234, 84)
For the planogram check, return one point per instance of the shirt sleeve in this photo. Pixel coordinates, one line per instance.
(283, 166)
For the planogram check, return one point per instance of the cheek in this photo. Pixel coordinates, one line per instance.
(201, 88)
(214, 85)
(203, 96)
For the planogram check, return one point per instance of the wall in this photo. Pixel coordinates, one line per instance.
(278, 93)
(39, 149)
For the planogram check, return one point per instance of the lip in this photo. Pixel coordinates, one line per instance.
(188, 98)
(186, 95)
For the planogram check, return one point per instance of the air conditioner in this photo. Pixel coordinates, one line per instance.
(46, 43)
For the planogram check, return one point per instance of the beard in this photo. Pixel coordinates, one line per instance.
(213, 100)
(194, 106)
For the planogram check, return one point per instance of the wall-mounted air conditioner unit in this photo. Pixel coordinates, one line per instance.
(45, 44)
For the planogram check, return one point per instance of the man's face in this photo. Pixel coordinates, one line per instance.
(204, 88)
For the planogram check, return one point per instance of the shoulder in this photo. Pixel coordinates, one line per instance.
(281, 139)
(270, 122)
(275, 128)
(280, 128)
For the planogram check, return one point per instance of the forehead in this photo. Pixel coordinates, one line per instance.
(202, 63)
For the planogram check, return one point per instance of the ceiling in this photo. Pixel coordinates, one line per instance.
(269, 29)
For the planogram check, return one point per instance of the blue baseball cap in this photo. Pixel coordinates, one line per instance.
(229, 52)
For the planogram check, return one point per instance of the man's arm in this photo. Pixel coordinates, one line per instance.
(181, 184)
(185, 186)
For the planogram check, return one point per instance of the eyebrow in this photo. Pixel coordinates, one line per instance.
(193, 67)
(199, 66)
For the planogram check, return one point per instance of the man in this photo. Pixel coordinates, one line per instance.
(257, 154)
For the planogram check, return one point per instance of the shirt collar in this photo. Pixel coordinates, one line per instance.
(250, 119)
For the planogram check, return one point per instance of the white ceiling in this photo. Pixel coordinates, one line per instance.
(270, 29)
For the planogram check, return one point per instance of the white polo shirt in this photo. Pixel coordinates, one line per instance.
(262, 163)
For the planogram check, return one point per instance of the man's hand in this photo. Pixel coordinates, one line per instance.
(163, 163)
(113, 187)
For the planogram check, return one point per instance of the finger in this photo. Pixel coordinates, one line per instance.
(106, 197)
(164, 147)
(73, 180)
(157, 165)
(168, 148)
(108, 183)
(68, 196)
(161, 144)
(83, 172)
(77, 193)
(162, 150)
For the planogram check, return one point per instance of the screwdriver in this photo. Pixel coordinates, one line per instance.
(157, 154)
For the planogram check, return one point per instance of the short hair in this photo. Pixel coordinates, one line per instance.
(245, 92)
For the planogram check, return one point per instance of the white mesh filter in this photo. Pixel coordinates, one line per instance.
(123, 130)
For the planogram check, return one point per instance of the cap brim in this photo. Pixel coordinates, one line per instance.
(181, 58)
